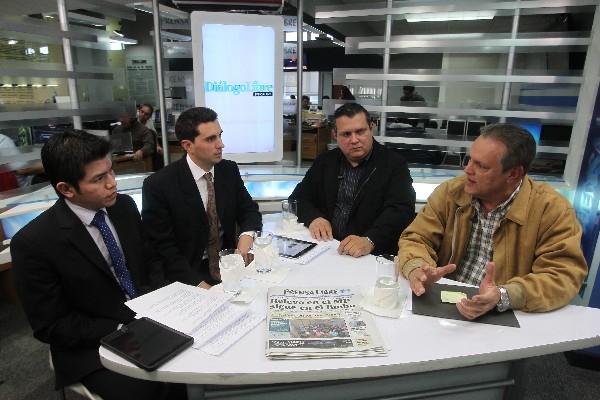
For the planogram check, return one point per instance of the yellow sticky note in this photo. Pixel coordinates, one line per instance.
(452, 297)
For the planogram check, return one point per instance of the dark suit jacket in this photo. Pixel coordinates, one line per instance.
(176, 224)
(385, 199)
(65, 285)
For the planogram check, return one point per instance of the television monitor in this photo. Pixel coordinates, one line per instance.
(556, 133)
(533, 127)
(237, 70)
(41, 134)
(456, 127)
(474, 128)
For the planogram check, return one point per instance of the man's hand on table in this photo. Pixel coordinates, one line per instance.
(426, 275)
(204, 285)
(320, 229)
(487, 299)
(356, 246)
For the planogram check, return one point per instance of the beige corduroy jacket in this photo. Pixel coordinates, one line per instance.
(537, 247)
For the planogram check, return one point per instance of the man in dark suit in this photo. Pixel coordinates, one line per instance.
(191, 207)
(78, 262)
(360, 193)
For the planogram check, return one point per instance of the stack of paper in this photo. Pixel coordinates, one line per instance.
(206, 315)
(319, 322)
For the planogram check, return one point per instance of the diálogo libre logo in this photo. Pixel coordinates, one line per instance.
(258, 89)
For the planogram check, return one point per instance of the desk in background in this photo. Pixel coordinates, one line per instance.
(314, 141)
(125, 164)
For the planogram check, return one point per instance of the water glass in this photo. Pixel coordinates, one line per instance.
(231, 265)
(289, 211)
(262, 255)
(386, 267)
(386, 284)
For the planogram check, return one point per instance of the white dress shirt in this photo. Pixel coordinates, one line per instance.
(198, 174)
(86, 216)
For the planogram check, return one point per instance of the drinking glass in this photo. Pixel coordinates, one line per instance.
(289, 209)
(231, 265)
(262, 256)
(386, 284)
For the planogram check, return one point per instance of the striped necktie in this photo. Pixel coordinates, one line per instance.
(213, 246)
(118, 260)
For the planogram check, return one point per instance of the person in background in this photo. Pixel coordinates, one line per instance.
(77, 263)
(341, 92)
(360, 193)
(142, 138)
(192, 207)
(8, 179)
(410, 94)
(145, 113)
(495, 227)
(305, 103)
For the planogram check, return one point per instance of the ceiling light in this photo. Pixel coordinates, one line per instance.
(451, 16)
(44, 50)
(12, 42)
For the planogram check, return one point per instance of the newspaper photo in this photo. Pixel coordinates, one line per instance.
(319, 322)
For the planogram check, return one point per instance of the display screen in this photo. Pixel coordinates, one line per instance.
(456, 127)
(237, 59)
(293, 248)
(532, 127)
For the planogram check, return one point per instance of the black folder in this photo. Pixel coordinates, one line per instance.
(430, 304)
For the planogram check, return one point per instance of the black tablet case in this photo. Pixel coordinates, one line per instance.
(149, 334)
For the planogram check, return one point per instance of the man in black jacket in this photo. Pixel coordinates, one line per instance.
(78, 262)
(360, 193)
(191, 207)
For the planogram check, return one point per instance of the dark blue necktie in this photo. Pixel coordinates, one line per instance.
(116, 256)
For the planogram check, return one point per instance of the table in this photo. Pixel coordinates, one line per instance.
(428, 357)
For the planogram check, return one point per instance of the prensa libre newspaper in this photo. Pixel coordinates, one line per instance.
(319, 322)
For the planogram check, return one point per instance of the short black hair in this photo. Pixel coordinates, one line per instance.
(66, 154)
(186, 127)
(147, 105)
(520, 145)
(350, 110)
(410, 88)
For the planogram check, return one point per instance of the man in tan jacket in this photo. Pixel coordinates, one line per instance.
(494, 227)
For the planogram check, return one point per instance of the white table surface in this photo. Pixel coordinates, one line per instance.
(416, 343)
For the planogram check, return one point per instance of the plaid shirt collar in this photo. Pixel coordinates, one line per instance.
(502, 208)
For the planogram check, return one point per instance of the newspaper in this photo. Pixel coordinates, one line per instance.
(318, 323)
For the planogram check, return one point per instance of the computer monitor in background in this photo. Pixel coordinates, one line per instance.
(456, 127)
(121, 143)
(533, 127)
(474, 127)
(556, 133)
(41, 134)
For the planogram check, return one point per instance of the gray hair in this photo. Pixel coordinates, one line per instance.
(520, 145)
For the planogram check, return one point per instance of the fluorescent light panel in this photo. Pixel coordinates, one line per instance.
(451, 16)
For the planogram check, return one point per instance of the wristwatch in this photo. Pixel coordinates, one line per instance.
(504, 302)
